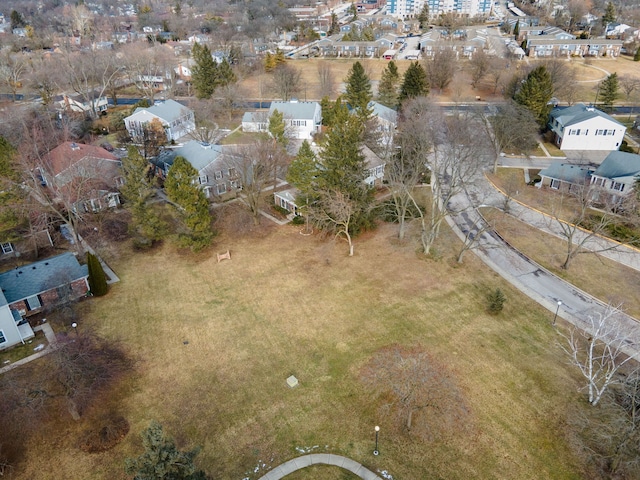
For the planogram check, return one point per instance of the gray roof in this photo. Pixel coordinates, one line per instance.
(35, 278)
(200, 155)
(383, 112)
(619, 165)
(168, 110)
(579, 113)
(576, 174)
(295, 110)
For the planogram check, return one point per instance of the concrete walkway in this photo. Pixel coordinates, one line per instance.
(51, 338)
(319, 459)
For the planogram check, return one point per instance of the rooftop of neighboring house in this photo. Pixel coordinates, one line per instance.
(295, 109)
(619, 165)
(567, 172)
(35, 278)
(168, 110)
(198, 154)
(68, 154)
(383, 112)
(579, 113)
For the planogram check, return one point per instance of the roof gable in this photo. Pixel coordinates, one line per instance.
(70, 153)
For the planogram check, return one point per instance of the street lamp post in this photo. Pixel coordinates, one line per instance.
(377, 429)
(74, 325)
(557, 310)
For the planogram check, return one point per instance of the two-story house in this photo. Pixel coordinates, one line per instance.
(582, 127)
(302, 119)
(176, 119)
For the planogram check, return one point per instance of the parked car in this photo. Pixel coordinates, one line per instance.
(107, 146)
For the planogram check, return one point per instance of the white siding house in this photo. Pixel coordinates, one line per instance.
(585, 128)
(302, 119)
(177, 119)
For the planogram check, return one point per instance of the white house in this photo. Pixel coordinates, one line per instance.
(302, 119)
(581, 127)
(617, 174)
(176, 119)
(12, 328)
(386, 120)
(76, 103)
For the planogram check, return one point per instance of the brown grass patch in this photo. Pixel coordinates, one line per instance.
(588, 271)
(279, 308)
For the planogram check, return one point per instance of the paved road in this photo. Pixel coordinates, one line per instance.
(526, 275)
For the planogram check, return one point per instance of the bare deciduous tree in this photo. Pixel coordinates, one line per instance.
(628, 84)
(253, 166)
(326, 79)
(441, 68)
(12, 68)
(334, 213)
(598, 351)
(480, 65)
(583, 227)
(286, 81)
(417, 391)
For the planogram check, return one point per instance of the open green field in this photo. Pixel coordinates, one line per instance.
(289, 304)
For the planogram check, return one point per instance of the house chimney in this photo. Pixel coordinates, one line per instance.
(75, 146)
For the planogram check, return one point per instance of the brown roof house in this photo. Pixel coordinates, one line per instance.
(87, 176)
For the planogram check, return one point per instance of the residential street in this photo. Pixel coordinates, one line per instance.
(526, 275)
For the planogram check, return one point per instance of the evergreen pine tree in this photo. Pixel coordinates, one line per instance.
(516, 29)
(162, 459)
(609, 14)
(388, 86)
(225, 74)
(277, 128)
(495, 300)
(204, 74)
(636, 57)
(358, 89)
(303, 172)
(97, 278)
(182, 189)
(535, 93)
(415, 82)
(327, 107)
(609, 90)
(335, 26)
(146, 227)
(423, 16)
(343, 166)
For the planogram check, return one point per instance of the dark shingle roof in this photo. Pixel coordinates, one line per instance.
(35, 278)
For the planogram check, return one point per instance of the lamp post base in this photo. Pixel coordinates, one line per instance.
(376, 452)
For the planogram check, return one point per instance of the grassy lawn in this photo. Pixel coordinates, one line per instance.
(288, 304)
(22, 351)
(592, 273)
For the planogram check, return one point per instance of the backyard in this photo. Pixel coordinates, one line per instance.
(213, 344)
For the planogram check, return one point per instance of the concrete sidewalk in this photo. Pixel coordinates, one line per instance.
(304, 461)
(605, 247)
(51, 338)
